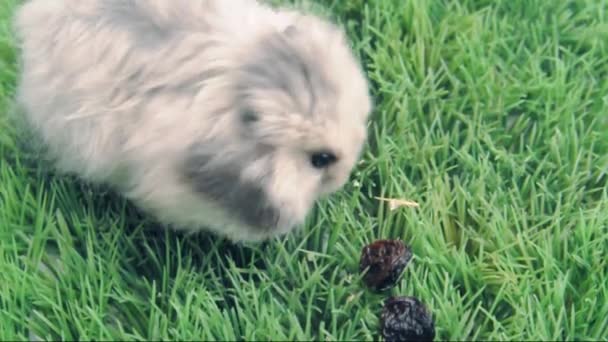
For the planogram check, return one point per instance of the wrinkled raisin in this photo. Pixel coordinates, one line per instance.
(384, 261)
(406, 319)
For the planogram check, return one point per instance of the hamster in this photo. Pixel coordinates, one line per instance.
(228, 116)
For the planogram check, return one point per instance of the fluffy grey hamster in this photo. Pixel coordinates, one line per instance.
(223, 115)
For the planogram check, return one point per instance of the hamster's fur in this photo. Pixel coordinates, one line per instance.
(208, 114)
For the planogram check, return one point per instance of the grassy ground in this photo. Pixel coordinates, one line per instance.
(493, 115)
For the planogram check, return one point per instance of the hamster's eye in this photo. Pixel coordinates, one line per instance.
(321, 160)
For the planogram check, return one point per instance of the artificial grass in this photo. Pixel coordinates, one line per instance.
(491, 114)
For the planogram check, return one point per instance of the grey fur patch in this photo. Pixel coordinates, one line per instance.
(220, 182)
(290, 31)
(129, 16)
(150, 29)
(278, 64)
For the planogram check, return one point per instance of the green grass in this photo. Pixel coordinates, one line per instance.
(493, 115)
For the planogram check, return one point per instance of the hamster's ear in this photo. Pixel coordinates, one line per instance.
(249, 116)
(249, 121)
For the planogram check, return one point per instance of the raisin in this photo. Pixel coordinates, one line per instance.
(406, 319)
(384, 261)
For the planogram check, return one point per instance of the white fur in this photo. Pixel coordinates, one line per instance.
(78, 57)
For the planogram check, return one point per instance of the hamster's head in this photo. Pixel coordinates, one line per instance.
(301, 109)
(302, 92)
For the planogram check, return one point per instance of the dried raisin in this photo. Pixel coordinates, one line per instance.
(384, 262)
(406, 319)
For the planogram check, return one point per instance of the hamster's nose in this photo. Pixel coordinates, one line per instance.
(334, 180)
